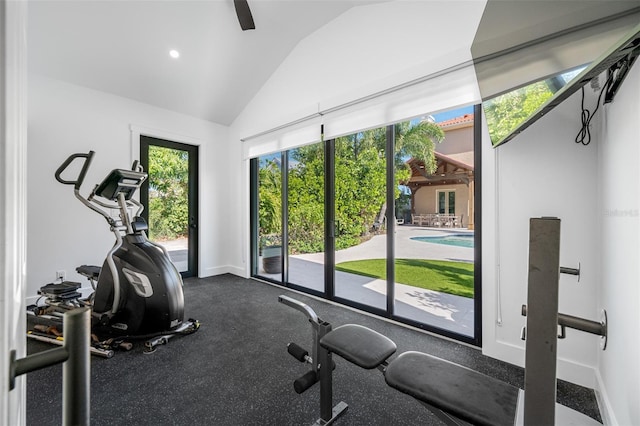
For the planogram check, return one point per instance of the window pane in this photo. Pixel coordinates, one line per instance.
(434, 255)
(305, 194)
(360, 205)
(452, 202)
(270, 216)
(506, 112)
(169, 202)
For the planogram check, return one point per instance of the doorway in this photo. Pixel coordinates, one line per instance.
(170, 197)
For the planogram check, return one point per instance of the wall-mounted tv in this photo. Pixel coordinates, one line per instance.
(510, 113)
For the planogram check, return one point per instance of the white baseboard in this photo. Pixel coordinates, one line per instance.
(604, 405)
(503, 351)
(226, 269)
(564, 416)
(569, 371)
(580, 374)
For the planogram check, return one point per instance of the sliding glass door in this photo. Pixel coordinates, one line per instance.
(384, 220)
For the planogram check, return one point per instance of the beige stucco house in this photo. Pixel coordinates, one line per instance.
(445, 198)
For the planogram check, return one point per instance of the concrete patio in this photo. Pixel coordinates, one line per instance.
(442, 310)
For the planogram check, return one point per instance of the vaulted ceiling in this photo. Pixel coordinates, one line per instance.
(122, 48)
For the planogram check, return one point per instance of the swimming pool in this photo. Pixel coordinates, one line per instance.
(458, 240)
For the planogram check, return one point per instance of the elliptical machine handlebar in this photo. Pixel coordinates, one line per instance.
(97, 206)
(78, 182)
(136, 166)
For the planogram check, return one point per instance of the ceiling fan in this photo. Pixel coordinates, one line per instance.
(244, 15)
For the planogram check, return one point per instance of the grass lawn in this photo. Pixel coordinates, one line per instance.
(439, 275)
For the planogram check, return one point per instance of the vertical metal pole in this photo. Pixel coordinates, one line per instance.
(329, 217)
(284, 193)
(253, 214)
(326, 374)
(391, 219)
(124, 213)
(475, 220)
(76, 370)
(542, 322)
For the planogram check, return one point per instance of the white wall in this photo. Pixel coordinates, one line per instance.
(541, 172)
(65, 119)
(619, 290)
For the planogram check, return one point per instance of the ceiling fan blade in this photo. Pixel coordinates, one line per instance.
(244, 15)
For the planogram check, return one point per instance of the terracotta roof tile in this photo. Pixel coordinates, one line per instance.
(456, 121)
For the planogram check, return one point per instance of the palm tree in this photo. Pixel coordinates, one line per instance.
(418, 141)
(411, 141)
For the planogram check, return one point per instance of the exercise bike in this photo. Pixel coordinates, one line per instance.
(137, 291)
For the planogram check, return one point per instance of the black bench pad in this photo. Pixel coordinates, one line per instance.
(360, 345)
(460, 391)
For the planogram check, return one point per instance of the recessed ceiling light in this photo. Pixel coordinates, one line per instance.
(174, 54)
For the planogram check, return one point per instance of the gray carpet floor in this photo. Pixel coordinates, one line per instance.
(236, 370)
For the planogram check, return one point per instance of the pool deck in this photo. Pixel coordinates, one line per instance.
(405, 247)
(442, 310)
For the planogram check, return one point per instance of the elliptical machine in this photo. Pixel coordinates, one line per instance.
(137, 291)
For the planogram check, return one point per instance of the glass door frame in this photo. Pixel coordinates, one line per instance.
(193, 209)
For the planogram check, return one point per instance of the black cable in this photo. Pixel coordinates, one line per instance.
(584, 135)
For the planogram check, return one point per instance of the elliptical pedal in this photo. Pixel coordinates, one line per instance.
(186, 328)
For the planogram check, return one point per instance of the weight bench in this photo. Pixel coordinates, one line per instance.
(455, 394)
(448, 389)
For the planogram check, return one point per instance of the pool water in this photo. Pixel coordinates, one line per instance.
(458, 240)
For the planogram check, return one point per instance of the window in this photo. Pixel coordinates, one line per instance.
(446, 202)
